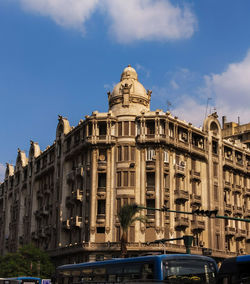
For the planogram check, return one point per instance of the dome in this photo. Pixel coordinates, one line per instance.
(129, 92)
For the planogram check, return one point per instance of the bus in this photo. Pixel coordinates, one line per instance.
(172, 268)
(21, 279)
(235, 270)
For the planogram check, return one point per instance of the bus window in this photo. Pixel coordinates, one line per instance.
(147, 271)
(189, 271)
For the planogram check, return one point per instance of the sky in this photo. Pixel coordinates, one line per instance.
(63, 56)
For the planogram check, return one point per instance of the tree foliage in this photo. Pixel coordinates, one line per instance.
(27, 261)
(127, 216)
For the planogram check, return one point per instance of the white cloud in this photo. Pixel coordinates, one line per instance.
(67, 13)
(188, 93)
(2, 172)
(232, 90)
(150, 20)
(130, 20)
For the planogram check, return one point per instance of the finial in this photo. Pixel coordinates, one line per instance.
(129, 65)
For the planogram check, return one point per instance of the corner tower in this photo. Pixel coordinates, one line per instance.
(129, 96)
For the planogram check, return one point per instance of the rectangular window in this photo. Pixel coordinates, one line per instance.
(119, 179)
(90, 129)
(216, 192)
(193, 164)
(125, 178)
(132, 123)
(132, 149)
(150, 204)
(119, 149)
(132, 178)
(215, 168)
(166, 181)
(101, 180)
(101, 206)
(132, 234)
(126, 128)
(150, 154)
(126, 156)
(150, 127)
(118, 205)
(166, 158)
(119, 128)
(150, 179)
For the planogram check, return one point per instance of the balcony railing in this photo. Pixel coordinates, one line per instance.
(181, 222)
(196, 199)
(197, 225)
(230, 231)
(240, 234)
(181, 195)
(180, 169)
(195, 175)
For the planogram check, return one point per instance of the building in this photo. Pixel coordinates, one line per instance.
(65, 199)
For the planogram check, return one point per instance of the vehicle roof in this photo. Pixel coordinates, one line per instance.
(136, 259)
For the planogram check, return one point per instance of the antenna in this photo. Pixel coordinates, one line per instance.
(208, 99)
(169, 104)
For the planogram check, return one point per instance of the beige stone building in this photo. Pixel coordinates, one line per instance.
(65, 199)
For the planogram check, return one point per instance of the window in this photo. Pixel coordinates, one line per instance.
(119, 128)
(215, 168)
(101, 206)
(132, 149)
(216, 192)
(166, 158)
(150, 125)
(100, 230)
(150, 204)
(119, 179)
(119, 153)
(126, 154)
(126, 128)
(102, 128)
(150, 179)
(132, 128)
(125, 178)
(132, 178)
(90, 129)
(150, 154)
(101, 180)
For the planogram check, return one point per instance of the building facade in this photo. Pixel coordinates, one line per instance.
(65, 199)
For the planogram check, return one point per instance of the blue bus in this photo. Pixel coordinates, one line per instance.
(235, 270)
(172, 268)
(21, 279)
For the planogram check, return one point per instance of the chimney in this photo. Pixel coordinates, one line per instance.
(238, 120)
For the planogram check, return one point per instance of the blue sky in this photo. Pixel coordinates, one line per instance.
(62, 56)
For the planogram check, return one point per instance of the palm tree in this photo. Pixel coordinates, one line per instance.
(126, 218)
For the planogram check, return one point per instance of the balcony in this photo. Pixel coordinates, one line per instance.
(237, 210)
(198, 225)
(240, 234)
(228, 208)
(230, 231)
(181, 196)
(236, 189)
(76, 221)
(227, 185)
(180, 169)
(181, 223)
(150, 190)
(66, 224)
(247, 192)
(195, 199)
(247, 213)
(78, 195)
(248, 237)
(196, 176)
